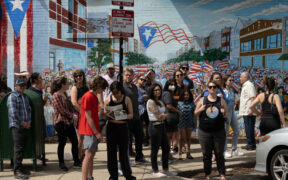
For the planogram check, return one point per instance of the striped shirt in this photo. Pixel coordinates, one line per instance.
(19, 109)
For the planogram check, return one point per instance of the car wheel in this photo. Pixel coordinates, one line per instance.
(279, 165)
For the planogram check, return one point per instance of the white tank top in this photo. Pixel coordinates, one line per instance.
(151, 116)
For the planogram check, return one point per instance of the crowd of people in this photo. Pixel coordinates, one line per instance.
(143, 110)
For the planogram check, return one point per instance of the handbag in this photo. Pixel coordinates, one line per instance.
(273, 107)
(172, 119)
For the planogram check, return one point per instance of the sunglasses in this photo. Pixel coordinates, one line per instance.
(185, 68)
(179, 75)
(144, 80)
(78, 76)
(214, 87)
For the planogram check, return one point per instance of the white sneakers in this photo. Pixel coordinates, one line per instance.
(159, 174)
(164, 174)
(237, 153)
(227, 154)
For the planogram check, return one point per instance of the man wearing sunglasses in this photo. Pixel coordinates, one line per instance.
(184, 68)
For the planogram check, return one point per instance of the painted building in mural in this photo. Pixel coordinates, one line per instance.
(261, 44)
(225, 40)
(37, 34)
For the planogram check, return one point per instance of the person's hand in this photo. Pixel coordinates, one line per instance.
(283, 126)
(220, 95)
(162, 117)
(202, 108)
(179, 114)
(222, 110)
(98, 136)
(26, 125)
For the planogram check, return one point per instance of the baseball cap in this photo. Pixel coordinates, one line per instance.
(20, 81)
(110, 65)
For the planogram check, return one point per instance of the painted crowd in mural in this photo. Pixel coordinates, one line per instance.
(57, 38)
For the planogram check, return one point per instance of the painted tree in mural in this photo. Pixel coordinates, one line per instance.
(136, 58)
(101, 55)
(190, 55)
(214, 55)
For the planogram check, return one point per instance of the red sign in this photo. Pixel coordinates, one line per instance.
(122, 23)
(123, 2)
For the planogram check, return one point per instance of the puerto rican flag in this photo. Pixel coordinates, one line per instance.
(207, 66)
(16, 38)
(195, 67)
(236, 86)
(223, 64)
(197, 98)
(117, 68)
(141, 69)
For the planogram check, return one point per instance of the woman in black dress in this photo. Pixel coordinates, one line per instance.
(270, 120)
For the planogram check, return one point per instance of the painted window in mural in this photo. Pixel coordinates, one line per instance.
(273, 41)
(67, 32)
(258, 43)
(68, 4)
(52, 28)
(286, 41)
(81, 11)
(286, 24)
(52, 60)
(246, 46)
(81, 37)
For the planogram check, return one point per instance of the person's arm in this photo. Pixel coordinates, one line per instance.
(254, 103)
(199, 108)
(74, 98)
(278, 104)
(224, 109)
(91, 124)
(130, 107)
(100, 99)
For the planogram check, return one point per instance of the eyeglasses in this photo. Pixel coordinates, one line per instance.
(185, 68)
(179, 75)
(214, 87)
(155, 90)
(144, 80)
(78, 76)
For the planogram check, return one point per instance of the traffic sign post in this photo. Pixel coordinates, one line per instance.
(123, 2)
(122, 26)
(122, 23)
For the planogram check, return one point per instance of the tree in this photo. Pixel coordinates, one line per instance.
(101, 55)
(190, 55)
(214, 54)
(136, 58)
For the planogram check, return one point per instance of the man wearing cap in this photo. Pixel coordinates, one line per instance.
(109, 77)
(184, 68)
(19, 114)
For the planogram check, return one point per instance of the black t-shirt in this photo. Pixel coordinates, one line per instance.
(132, 93)
(167, 98)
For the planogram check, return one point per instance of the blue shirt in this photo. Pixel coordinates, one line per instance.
(188, 83)
(230, 96)
(19, 109)
(219, 91)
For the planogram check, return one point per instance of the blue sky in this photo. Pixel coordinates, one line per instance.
(203, 16)
(195, 17)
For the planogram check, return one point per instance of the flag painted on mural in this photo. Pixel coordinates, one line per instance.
(16, 45)
(150, 33)
(223, 64)
(207, 66)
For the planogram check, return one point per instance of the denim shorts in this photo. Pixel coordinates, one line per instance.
(90, 143)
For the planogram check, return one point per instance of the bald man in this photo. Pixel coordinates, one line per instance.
(248, 94)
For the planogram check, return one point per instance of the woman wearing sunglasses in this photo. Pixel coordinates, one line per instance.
(78, 90)
(212, 111)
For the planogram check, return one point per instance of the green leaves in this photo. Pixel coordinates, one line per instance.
(136, 58)
(101, 55)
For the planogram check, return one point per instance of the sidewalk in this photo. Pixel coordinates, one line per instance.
(52, 172)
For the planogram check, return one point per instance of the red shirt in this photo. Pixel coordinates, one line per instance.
(89, 102)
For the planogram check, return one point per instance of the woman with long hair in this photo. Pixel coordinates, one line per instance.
(230, 96)
(213, 112)
(270, 119)
(79, 88)
(63, 121)
(174, 113)
(157, 115)
(186, 121)
(117, 131)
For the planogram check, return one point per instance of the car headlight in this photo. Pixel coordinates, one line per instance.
(264, 138)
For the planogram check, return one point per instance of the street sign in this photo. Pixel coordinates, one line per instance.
(123, 2)
(122, 23)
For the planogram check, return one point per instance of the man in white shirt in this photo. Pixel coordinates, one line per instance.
(248, 94)
(110, 77)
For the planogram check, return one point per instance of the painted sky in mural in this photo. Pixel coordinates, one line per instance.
(195, 17)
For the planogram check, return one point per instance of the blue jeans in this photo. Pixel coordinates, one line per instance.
(249, 122)
(234, 124)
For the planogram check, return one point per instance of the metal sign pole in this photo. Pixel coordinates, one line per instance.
(121, 56)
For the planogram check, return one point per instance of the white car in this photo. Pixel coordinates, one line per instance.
(272, 154)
